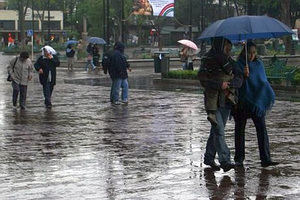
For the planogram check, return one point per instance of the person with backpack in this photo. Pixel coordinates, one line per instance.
(70, 53)
(46, 67)
(117, 69)
(20, 72)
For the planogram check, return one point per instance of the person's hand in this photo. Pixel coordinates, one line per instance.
(41, 71)
(225, 85)
(129, 69)
(246, 71)
(29, 77)
(49, 56)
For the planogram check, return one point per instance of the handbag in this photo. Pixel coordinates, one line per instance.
(9, 76)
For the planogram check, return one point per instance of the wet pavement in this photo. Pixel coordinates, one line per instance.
(85, 148)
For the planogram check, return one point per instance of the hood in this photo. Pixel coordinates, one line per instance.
(119, 46)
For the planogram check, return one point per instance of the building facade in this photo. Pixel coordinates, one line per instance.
(9, 24)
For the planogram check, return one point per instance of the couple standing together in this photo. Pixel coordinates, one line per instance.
(240, 88)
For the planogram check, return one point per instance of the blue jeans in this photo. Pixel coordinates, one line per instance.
(88, 64)
(47, 91)
(216, 140)
(115, 89)
(240, 118)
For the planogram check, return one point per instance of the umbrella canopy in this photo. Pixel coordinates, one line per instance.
(96, 40)
(71, 42)
(246, 27)
(49, 50)
(188, 43)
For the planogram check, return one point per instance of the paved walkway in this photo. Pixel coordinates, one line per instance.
(85, 148)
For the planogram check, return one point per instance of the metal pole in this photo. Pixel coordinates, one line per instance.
(32, 16)
(48, 20)
(190, 19)
(122, 21)
(107, 21)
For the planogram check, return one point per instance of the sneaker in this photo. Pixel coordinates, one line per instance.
(270, 163)
(213, 165)
(116, 103)
(212, 119)
(228, 166)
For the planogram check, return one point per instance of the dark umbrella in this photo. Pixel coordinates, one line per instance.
(96, 40)
(246, 27)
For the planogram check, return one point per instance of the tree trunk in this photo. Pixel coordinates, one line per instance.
(236, 8)
(22, 23)
(286, 18)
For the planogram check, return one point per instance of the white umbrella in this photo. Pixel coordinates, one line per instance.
(48, 49)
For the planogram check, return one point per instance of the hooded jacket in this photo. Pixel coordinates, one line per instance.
(118, 66)
(49, 67)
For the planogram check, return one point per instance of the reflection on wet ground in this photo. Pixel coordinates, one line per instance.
(85, 148)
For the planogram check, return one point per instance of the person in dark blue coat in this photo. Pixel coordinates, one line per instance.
(118, 72)
(256, 97)
(46, 67)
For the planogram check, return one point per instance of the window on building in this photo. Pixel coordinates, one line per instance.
(7, 25)
(54, 25)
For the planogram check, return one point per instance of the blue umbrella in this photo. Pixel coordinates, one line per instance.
(71, 42)
(246, 27)
(96, 40)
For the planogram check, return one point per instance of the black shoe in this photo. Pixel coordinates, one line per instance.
(227, 167)
(213, 165)
(267, 164)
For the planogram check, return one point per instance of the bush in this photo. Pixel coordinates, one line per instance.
(296, 80)
(182, 74)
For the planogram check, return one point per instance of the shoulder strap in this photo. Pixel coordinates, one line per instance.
(15, 64)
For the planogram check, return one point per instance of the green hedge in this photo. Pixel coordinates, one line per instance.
(182, 74)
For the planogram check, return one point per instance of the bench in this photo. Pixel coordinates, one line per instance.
(277, 70)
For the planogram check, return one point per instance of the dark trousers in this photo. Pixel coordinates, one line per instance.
(240, 118)
(47, 90)
(22, 89)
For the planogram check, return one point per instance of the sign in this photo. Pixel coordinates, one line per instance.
(29, 32)
(154, 7)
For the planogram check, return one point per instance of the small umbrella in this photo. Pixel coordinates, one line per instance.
(188, 43)
(96, 40)
(71, 42)
(49, 50)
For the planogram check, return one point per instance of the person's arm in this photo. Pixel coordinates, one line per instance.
(10, 66)
(55, 61)
(30, 69)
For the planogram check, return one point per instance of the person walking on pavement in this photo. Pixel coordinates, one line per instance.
(216, 140)
(89, 63)
(118, 72)
(20, 71)
(46, 67)
(256, 97)
(70, 53)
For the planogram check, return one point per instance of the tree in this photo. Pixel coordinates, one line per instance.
(21, 6)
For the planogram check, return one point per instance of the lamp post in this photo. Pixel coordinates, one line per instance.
(48, 20)
(190, 19)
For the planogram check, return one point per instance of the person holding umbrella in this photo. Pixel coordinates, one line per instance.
(256, 97)
(70, 53)
(187, 54)
(46, 67)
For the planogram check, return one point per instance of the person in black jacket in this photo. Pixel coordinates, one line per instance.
(70, 53)
(118, 73)
(46, 66)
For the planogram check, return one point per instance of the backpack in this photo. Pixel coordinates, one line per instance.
(70, 53)
(106, 62)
